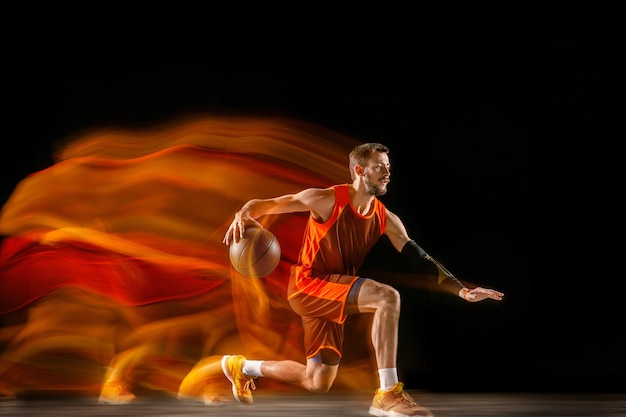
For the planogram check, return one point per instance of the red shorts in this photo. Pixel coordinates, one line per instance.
(321, 302)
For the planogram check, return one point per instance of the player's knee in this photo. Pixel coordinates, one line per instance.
(390, 297)
(322, 370)
(321, 385)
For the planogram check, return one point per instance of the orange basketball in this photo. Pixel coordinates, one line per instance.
(256, 254)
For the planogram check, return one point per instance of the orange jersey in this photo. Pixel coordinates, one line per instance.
(332, 253)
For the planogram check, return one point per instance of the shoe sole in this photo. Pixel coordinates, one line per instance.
(230, 377)
(112, 401)
(375, 411)
(381, 413)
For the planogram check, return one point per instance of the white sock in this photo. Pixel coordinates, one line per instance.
(388, 378)
(252, 368)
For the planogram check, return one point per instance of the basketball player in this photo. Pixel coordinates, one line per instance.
(344, 224)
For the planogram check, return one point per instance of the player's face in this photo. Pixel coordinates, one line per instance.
(377, 174)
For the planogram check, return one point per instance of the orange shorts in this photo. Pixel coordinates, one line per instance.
(322, 305)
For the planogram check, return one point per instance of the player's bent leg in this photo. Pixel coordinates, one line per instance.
(314, 376)
(319, 374)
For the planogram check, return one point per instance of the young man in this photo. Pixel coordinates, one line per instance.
(344, 224)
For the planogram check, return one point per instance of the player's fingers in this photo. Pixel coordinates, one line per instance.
(239, 231)
(249, 221)
(495, 295)
(234, 232)
(228, 237)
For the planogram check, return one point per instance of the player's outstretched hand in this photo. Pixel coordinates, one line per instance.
(479, 294)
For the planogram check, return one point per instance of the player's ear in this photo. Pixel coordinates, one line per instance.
(359, 170)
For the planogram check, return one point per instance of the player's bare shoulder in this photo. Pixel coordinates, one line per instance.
(320, 202)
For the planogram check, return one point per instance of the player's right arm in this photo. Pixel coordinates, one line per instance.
(319, 201)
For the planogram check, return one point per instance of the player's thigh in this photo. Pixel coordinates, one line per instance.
(373, 294)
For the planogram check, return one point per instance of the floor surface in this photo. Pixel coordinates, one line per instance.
(333, 404)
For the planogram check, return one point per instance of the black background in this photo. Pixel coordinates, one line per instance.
(503, 120)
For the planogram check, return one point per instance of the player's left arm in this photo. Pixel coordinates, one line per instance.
(429, 266)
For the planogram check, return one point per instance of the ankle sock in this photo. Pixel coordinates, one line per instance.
(252, 368)
(388, 378)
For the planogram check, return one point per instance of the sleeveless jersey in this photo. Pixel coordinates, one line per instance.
(333, 251)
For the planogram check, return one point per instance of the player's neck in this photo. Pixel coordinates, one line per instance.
(361, 200)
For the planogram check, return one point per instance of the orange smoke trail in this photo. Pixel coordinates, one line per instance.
(130, 223)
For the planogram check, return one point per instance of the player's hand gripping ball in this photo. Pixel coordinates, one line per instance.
(256, 254)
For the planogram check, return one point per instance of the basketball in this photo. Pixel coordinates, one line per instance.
(256, 254)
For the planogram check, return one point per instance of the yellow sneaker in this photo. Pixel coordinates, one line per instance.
(204, 382)
(232, 366)
(115, 392)
(396, 403)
